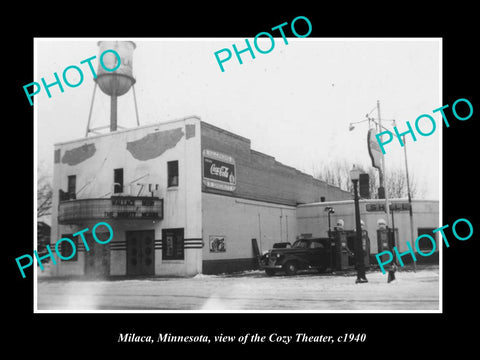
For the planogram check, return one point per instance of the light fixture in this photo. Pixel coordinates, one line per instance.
(355, 173)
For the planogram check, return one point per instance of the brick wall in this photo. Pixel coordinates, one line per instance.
(261, 177)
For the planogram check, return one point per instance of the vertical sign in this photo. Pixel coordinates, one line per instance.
(374, 149)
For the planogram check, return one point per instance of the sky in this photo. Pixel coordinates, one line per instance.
(294, 103)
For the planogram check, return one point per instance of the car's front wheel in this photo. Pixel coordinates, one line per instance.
(270, 272)
(290, 268)
(322, 269)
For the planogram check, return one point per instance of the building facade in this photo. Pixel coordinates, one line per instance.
(312, 220)
(182, 197)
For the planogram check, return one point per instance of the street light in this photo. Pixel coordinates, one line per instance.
(351, 127)
(361, 277)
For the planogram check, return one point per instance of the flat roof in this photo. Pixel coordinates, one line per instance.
(129, 129)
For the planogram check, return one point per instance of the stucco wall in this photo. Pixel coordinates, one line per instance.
(239, 221)
(143, 154)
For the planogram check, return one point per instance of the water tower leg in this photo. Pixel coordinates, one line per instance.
(113, 113)
(135, 101)
(90, 112)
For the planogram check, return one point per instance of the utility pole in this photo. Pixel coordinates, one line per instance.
(391, 273)
(381, 173)
(409, 201)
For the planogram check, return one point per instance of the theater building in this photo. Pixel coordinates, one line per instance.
(182, 197)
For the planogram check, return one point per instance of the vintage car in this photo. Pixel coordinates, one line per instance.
(312, 253)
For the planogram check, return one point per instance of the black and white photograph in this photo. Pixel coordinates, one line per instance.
(173, 171)
(280, 181)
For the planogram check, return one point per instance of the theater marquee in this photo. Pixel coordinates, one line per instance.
(218, 170)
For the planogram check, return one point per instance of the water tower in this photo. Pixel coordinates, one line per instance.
(114, 83)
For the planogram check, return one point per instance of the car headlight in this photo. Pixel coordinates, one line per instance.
(278, 255)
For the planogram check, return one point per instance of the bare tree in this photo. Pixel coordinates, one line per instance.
(44, 194)
(395, 183)
(44, 206)
(337, 173)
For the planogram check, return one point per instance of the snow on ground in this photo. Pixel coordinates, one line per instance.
(247, 291)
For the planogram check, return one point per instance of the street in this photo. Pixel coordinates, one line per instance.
(247, 291)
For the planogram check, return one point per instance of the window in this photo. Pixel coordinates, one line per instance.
(72, 186)
(172, 168)
(172, 244)
(66, 247)
(300, 244)
(316, 244)
(425, 244)
(117, 181)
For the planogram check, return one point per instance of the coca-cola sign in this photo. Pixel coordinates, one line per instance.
(218, 170)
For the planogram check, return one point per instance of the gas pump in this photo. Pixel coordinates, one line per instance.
(366, 248)
(334, 260)
(340, 250)
(386, 242)
(383, 238)
(344, 250)
(352, 238)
